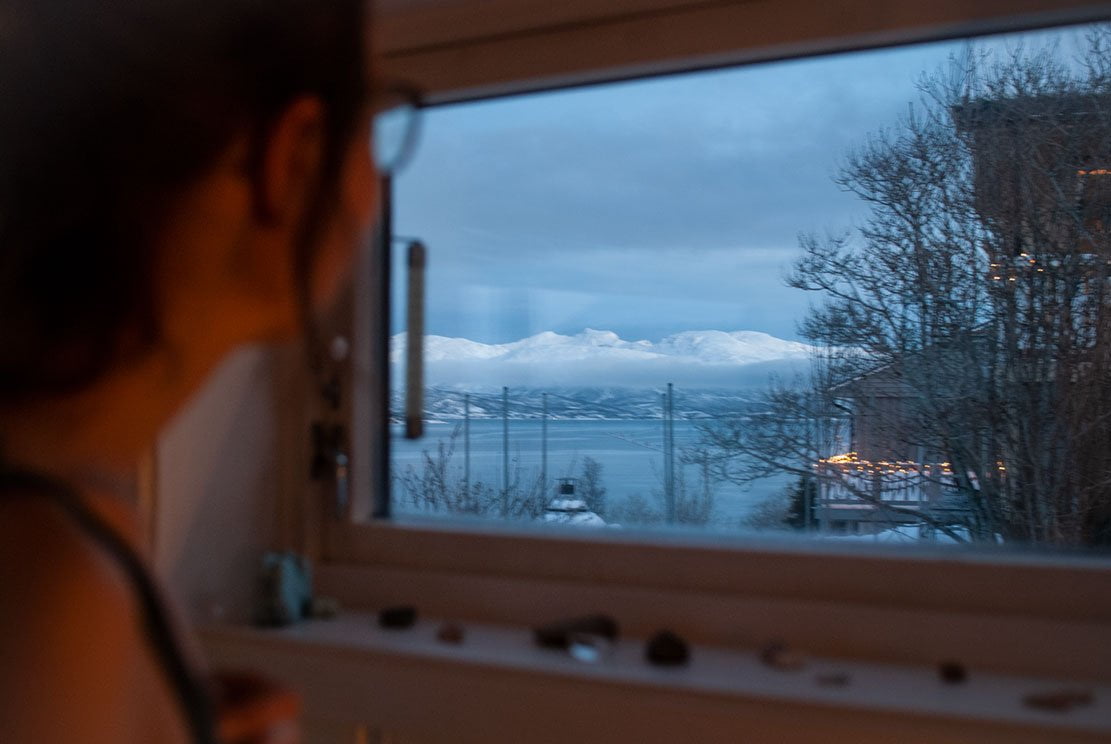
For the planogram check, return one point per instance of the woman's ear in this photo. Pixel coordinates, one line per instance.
(285, 175)
(291, 158)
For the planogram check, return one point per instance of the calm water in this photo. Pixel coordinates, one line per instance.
(630, 452)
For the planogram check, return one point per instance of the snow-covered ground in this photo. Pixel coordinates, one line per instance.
(903, 534)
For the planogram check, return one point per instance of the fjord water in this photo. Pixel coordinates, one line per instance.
(630, 452)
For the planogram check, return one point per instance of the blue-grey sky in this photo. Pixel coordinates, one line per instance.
(646, 207)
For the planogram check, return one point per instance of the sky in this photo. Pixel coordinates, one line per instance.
(648, 207)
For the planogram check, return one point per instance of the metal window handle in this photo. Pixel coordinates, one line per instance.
(414, 342)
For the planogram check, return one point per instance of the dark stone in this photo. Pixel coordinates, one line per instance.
(778, 655)
(1059, 701)
(833, 679)
(667, 649)
(397, 618)
(558, 634)
(450, 633)
(952, 672)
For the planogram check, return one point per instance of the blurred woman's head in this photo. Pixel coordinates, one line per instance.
(175, 176)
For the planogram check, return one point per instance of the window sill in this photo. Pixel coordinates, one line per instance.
(1012, 613)
(1033, 583)
(497, 686)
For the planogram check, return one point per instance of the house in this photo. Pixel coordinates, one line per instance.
(567, 509)
(1042, 175)
(887, 478)
(1042, 191)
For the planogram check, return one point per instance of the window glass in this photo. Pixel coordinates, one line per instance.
(854, 297)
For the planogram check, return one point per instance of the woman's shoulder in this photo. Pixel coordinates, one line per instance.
(55, 582)
(69, 642)
(43, 551)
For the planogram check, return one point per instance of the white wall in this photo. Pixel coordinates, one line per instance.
(219, 476)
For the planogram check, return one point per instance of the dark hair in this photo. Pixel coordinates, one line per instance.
(110, 108)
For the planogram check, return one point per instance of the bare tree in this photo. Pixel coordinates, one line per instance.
(591, 488)
(963, 380)
(438, 487)
(694, 505)
(694, 502)
(636, 510)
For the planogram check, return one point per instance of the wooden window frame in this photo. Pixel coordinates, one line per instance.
(505, 573)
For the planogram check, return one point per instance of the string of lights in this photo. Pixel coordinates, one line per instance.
(851, 462)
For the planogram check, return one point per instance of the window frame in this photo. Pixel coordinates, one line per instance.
(507, 573)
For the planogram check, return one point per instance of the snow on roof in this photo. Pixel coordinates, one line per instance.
(567, 505)
(577, 518)
(902, 533)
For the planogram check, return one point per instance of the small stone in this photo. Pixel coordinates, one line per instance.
(667, 649)
(324, 608)
(589, 648)
(952, 672)
(397, 618)
(778, 655)
(833, 679)
(450, 633)
(1059, 701)
(558, 635)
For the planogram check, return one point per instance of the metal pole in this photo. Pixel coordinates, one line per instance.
(505, 452)
(667, 477)
(466, 445)
(705, 479)
(544, 448)
(669, 456)
(671, 452)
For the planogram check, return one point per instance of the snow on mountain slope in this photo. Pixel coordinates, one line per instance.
(738, 347)
(698, 347)
(442, 348)
(593, 358)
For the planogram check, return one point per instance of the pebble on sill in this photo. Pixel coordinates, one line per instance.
(450, 633)
(589, 648)
(778, 655)
(833, 679)
(397, 618)
(667, 649)
(1059, 701)
(952, 672)
(558, 635)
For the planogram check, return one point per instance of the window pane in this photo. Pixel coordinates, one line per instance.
(858, 297)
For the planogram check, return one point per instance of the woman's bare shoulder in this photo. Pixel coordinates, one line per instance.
(44, 552)
(68, 640)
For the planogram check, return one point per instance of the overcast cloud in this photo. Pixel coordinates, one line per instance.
(645, 208)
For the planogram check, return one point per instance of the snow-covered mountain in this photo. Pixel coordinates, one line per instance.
(696, 347)
(602, 360)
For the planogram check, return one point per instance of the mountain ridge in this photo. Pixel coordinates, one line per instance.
(596, 374)
(707, 347)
